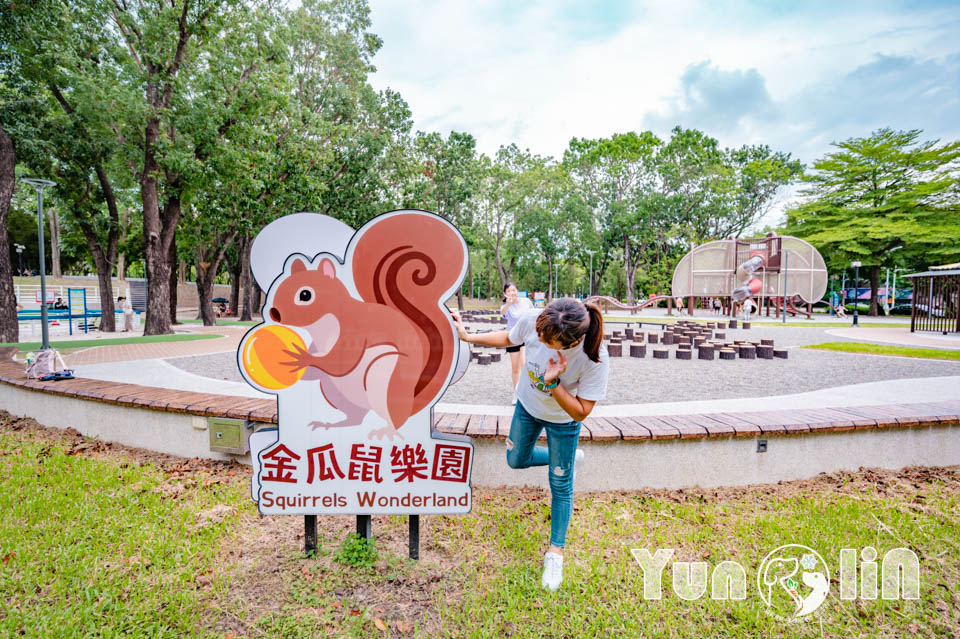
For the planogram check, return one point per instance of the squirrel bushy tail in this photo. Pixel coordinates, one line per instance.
(409, 261)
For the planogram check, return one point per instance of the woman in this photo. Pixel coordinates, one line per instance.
(567, 367)
(127, 309)
(514, 306)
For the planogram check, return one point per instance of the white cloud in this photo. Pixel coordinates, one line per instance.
(795, 78)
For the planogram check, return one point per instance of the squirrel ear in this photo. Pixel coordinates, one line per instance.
(327, 268)
(298, 265)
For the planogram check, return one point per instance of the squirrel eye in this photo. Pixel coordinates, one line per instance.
(304, 296)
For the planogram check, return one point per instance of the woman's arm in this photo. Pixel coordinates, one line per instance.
(576, 407)
(499, 339)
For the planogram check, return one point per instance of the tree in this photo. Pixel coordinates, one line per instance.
(616, 177)
(877, 194)
(545, 218)
(9, 326)
(442, 177)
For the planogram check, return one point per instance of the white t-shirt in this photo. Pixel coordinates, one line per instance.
(514, 311)
(583, 378)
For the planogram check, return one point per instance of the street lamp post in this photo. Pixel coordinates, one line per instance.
(19, 248)
(39, 185)
(894, 296)
(591, 271)
(856, 288)
(843, 291)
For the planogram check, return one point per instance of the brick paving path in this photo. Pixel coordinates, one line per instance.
(229, 341)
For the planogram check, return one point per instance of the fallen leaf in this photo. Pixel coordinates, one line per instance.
(204, 582)
(354, 612)
(913, 628)
(7, 558)
(378, 622)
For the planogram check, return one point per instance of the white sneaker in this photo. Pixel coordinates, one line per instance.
(577, 461)
(552, 571)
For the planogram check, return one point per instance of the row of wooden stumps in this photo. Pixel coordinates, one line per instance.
(687, 335)
(364, 529)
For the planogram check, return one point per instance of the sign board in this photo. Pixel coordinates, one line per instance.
(358, 346)
(51, 297)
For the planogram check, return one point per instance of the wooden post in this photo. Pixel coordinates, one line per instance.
(414, 542)
(310, 535)
(364, 527)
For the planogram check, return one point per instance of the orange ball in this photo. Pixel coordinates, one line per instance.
(263, 357)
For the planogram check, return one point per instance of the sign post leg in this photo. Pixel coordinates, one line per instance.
(364, 527)
(414, 536)
(310, 535)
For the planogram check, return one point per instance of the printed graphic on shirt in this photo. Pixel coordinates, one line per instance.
(536, 380)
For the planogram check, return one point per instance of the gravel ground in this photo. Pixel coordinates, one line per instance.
(649, 380)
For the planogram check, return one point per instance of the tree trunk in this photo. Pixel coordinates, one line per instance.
(549, 278)
(874, 289)
(629, 269)
(55, 270)
(174, 281)
(108, 317)
(122, 257)
(470, 277)
(500, 270)
(159, 230)
(235, 269)
(208, 265)
(9, 327)
(104, 266)
(246, 282)
(206, 271)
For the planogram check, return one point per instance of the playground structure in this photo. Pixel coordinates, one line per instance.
(76, 316)
(605, 302)
(777, 269)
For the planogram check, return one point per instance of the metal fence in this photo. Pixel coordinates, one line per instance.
(936, 298)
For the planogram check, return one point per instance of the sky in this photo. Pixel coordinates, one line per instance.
(796, 76)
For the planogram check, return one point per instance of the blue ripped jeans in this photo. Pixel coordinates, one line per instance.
(522, 452)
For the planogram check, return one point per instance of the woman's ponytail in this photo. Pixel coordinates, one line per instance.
(594, 336)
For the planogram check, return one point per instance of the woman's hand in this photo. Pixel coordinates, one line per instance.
(555, 368)
(458, 322)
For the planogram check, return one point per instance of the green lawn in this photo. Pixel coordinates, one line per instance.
(101, 543)
(884, 349)
(101, 547)
(112, 341)
(223, 322)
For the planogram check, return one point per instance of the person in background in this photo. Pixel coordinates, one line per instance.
(514, 306)
(59, 305)
(127, 308)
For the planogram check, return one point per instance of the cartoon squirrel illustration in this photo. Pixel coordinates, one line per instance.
(392, 350)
